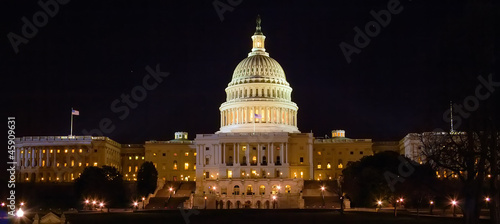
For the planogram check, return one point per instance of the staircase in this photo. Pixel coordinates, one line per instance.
(165, 199)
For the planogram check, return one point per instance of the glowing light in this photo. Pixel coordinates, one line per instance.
(274, 197)
(322, 188)
(20, 213)
(487, 199)
(379, 202)
(432, 202)
(454, 202)
(135, 203)
(170, 189)
(101, 204)
(205, 197)
(86, 201)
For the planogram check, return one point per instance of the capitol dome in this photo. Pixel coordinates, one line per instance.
(258, 96)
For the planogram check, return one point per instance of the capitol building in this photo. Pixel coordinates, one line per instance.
(257, 159)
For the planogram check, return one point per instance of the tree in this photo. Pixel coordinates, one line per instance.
(470, 155)
(147, 178)
(365, 181)
(104, 183)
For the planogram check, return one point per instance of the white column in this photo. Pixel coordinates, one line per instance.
(271, 159)
(282, 154)
(258, 154)
(224, 153)
(234, 154)
(238, 153)
(203, 155)
(286, 148)
(247, 154)
(216, 154)
(268, 153)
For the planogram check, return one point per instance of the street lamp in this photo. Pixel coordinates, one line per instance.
(205, 202)
(143, 198)
(323, 195)
(101, 205)
(454, 204)
(86, 204)
(431, 206)
(396, 208)
(20, 213)
(93, 204)
(136, 205)
(379, 204)
(274, 201)
(170, 189)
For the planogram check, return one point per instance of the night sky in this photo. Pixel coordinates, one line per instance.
(91, 52)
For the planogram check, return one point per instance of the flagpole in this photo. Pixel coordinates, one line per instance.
(71, 132)
(254, 123)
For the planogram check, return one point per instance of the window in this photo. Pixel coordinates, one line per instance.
(301, 160)
(254, 148)
(319, 165)
(175, 154)
(328, 165)
(186, 154)
(72, 163)
(130, 158)
(244, 148)
(58, 151)
(236, 190)
(340, 166)
(79, 164)
(143, 158)
(207, 175)
(175, 164)
(352, 152)
(95, 150)
(136, 169)
(186, 166)
(80, 150)
(319, 153)
(65, 151)
(95, 163)
(72, 151)
(129, 168)
(207, 148)
(207, 161)
(43, 151)
(164, 154)
(361, 152)
(229, 174)
(57, 164)
(154, 153)
(136, 157)
(194, 154)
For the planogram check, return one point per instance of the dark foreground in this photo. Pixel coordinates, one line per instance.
(254, 216)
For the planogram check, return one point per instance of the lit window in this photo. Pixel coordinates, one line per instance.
(301, 174)
(194, 166)
(136, 157)
(319, 165)
(65, 164)
(95, 163)
(51, 151)
(43, 162)
(65, 151)
(79, 164)
(72, 151)
(175, 165)
(186, 166)
(244, 148)
(229, 174)
(80, 150)
(319, 153)
(143, 158)
(328, 166)
(58, 151)
(194, 154)
(175, 154)
(254, 159)
(72, 163)
(129, 169)
(154, 154)
(136, 169)
(186, 154)
(86, 164)
(43, 151)
(22, 151)
(340, 166)
(130, 158)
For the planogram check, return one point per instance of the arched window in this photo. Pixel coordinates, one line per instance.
(340, 166)
(249, 190)
(175, 164)
(288, 189)
(236, 190)
(262, 190)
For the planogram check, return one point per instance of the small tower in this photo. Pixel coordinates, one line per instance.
(338, 134)
(181, 135)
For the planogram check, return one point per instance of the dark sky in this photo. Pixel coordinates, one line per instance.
(92, 52)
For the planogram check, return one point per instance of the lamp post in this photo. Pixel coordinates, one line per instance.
(205, 202)
(431, 206)
(86, 204)
(454, 204)
(136, 205)
(143, 199)
(487, 199)
(93, 204)
(274, 202)
(379, 203)
(170, 189)
(101, 205)
(323, 195)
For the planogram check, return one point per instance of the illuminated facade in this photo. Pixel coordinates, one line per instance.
(63, 158)
(175, 160)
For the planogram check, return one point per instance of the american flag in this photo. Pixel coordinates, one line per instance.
(258, 116)
(75, 112)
